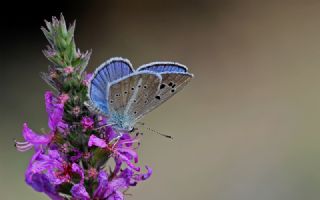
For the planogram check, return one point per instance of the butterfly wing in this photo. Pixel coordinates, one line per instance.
(174, 77)
(129, 96)
(170, 85)
(126, 96)
(162, 67)
(107, 72)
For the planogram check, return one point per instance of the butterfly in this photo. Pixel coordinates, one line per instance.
(125, 95)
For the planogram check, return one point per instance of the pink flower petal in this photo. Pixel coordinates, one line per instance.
(77, 169)
(142, 177)
(95, 141)
(78, 191)
(131, 152)
(128, 162)
(35, 138)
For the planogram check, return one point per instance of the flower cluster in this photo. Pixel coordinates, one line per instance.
(72, 160)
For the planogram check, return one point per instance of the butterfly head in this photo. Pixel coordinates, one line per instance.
(123, 128)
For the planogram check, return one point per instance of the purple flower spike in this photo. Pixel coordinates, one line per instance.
(52, 165)
(71, 159)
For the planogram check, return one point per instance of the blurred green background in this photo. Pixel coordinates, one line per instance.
(246, 128)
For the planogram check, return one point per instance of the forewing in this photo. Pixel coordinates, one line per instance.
(130, 96)
(109, 71)
(163, 67)
(113, 69)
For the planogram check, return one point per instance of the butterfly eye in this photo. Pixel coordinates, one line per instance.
(132, 130)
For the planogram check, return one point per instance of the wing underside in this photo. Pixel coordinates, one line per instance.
(129, 97)
(125, 95)
(109, 71)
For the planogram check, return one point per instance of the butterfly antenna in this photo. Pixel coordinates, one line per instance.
(154, 131)
(157, 132)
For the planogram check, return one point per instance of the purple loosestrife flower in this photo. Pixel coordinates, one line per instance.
(69, 161)
(55, 112)
(122, 150)
(52, 169)
(40, 181)
(87, 123)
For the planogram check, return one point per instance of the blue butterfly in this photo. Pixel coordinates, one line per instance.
(125, 95)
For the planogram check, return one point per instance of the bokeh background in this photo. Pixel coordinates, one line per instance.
(246, 128)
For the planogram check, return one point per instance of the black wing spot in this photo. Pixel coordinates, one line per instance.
(132, 88)
(145, 95)
(174, 85)
(146, 101)
(111, 101)
(134, 100)
(162, 86)
(125, 92)
(173, 90)
(158, 97)
(170, 84)
(135, 112)
(139, 86)
(145, 86)
(118, 95)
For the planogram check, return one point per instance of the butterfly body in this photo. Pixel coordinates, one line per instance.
(125, 95)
